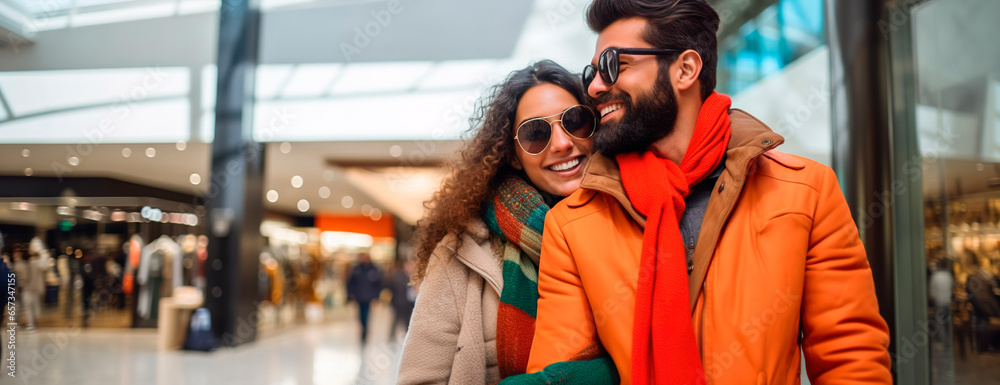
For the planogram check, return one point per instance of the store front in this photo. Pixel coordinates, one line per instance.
(915, 146)
(109, 252)
(956, 108)
(104, 260)
(902, 100)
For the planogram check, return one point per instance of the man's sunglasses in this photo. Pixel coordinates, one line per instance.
(607, 64)
(533, 135)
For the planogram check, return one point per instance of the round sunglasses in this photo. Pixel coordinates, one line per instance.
(607, 63)
(533, 135)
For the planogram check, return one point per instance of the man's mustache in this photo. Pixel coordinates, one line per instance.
(609, 98)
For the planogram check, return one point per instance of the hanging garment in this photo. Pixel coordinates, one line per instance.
(166, 279)
(155, 283)
(134, 255)
(172, 265)
(142, 279)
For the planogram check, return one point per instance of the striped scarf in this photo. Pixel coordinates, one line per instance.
(516, 214)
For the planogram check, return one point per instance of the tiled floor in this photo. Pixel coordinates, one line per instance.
(976, 369)
(328, 353)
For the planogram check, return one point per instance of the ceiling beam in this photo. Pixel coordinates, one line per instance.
(416, 31)
(14, 27)
(179, 41)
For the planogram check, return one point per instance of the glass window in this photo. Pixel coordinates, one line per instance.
(776, 67)
(957, 83)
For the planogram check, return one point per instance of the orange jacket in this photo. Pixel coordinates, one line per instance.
(778, 258)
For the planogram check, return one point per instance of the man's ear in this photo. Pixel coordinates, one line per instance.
(686, 70)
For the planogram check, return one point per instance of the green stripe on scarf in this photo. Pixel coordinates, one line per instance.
(521, 297)
(516, 214)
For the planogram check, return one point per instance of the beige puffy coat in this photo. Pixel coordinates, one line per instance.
(452, 336)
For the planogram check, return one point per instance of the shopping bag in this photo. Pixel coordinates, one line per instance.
(199, 336)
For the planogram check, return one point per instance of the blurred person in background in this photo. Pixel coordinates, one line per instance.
(983, 290)
(363, 287)
(29, 267)
(478, 246)
(941, 293)
(404, 296)
(95, 278)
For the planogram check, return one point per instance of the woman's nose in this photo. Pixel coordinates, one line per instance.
(560, 141)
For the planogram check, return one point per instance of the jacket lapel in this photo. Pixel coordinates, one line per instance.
(602, 174)
(476, 252)
(750, 138)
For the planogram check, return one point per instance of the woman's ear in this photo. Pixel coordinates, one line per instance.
(516, 162)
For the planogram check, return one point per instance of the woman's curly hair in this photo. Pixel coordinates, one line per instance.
(485, 159)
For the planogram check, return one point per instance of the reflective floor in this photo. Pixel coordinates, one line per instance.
(328, 353)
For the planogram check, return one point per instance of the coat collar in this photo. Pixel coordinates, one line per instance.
(750, 138)
(477, 251)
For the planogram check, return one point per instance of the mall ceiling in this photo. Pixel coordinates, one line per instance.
(463, 40)
(291, 32)
(299, 33)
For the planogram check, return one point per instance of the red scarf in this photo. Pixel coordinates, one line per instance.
(663, 342)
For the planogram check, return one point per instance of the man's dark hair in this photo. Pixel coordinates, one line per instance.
(679, 24)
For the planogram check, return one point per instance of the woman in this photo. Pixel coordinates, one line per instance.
(478, 246)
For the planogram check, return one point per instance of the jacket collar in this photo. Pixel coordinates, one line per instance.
(750, 138)
(477, 251)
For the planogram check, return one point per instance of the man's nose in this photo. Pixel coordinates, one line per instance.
(597, 87)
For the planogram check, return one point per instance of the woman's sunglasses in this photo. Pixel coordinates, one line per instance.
(533, 135)
(607, 64)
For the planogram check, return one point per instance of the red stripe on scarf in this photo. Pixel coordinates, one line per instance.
(515, 331)
(664, 350)
(508, 223)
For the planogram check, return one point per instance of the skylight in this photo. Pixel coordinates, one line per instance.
(33, 92)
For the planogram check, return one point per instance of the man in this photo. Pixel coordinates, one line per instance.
(695, 252)
(364, 286)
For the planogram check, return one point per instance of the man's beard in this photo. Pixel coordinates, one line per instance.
(650, 118)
